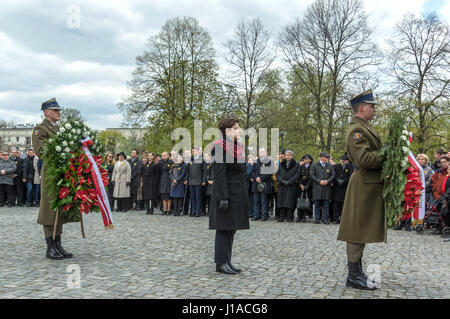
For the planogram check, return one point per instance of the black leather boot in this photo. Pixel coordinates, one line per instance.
(61, 250)
(52, 252)
(400, 226)
(355, 277)
(234, 268)
(225, 269)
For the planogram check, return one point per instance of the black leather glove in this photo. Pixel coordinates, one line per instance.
(128, 183)
(223, 204)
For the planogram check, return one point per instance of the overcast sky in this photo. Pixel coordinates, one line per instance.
(44, 55)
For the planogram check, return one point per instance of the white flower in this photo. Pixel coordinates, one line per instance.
(62, 129)
(67, 150)
(68, 126)
(405, 149)
(64, 143)
(403, 137)
(58, 148)
(74, 131)
(408, 143)
(79, 131)
(405, 132)
(404, 163)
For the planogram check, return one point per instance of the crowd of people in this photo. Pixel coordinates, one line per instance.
(20, 179)
(181, 184)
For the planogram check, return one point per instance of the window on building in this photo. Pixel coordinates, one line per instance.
(28, 140)
(17, 139)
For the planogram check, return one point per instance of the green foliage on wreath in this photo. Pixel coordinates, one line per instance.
(396, 153)
(58, 152)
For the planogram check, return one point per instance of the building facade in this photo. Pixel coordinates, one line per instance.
(16, 136)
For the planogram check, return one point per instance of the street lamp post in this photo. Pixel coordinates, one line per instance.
(282, 133)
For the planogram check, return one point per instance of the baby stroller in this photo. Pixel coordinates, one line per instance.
(434, 218)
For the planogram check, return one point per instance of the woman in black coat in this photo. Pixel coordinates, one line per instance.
(305, 186)
(150, 180)
(229, 202)
(287, 176)
(109, 160)
(164, 182)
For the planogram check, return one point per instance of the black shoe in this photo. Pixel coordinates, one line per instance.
(356, 278)
(234, 268)
(316, 221)
(52, 252)
(60, 248)
(327, 222)
(29, 205)
(256, 218)
(263, 219)
(1, 205)
(303, 220)
(148, 212)
(225, 269)
(10, 205)
(336, 222)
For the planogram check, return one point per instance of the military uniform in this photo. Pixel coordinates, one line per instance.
(46, 217)
(363, 219)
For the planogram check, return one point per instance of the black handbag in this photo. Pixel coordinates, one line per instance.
(303, 203)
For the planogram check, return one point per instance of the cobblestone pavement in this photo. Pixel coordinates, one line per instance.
(156, 256)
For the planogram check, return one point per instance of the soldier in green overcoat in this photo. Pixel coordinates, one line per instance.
(43, 131)
(363, 218)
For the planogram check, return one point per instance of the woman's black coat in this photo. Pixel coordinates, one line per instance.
(150, 179)
(287, 194)
(229, 183)
(164, 182)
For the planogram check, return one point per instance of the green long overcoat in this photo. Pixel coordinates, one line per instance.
(363, 219)
(41, 133)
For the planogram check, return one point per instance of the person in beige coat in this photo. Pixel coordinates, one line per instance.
(121, 179)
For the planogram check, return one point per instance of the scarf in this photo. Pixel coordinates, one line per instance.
(232, 148)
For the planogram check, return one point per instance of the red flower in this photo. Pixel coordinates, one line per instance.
(82, 180)
(67, 207)
(81, 158)
(79, 170)
(63, 192)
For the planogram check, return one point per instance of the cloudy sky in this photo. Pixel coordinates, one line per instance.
(44, 54)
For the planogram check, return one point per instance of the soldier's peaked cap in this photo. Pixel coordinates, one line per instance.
(366, 97)
(50, 105)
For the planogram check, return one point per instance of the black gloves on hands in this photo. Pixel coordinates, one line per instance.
(223, 204)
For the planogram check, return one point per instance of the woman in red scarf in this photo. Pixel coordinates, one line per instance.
(229, 198)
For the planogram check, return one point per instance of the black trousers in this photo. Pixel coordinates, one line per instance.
(149, 204)
(337, 210)
(6, 194)
(123, 203)
(132, 201)
(19, 191)
(177, 204)
(286, 214)
(223, 246)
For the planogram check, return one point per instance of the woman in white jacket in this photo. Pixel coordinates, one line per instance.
(121, 180)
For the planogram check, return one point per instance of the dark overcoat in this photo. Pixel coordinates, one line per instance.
(305, 180)
(229, 183)
(178, 173)
(287, 194)
(41, 133)
(164, 176)
(264, 170)
(209, 177)
(150, 180)
(136, 168)
(318, 173)
(341, 179)
(363, 219)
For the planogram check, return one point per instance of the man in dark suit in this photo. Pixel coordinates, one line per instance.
(322, 174)
(262, 175)
(343, 172)
(19, 185)
(136, 169)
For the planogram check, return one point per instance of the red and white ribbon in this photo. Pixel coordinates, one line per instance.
(99, 187)
(419, 211)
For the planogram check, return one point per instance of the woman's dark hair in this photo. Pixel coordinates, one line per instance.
(227, 122)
